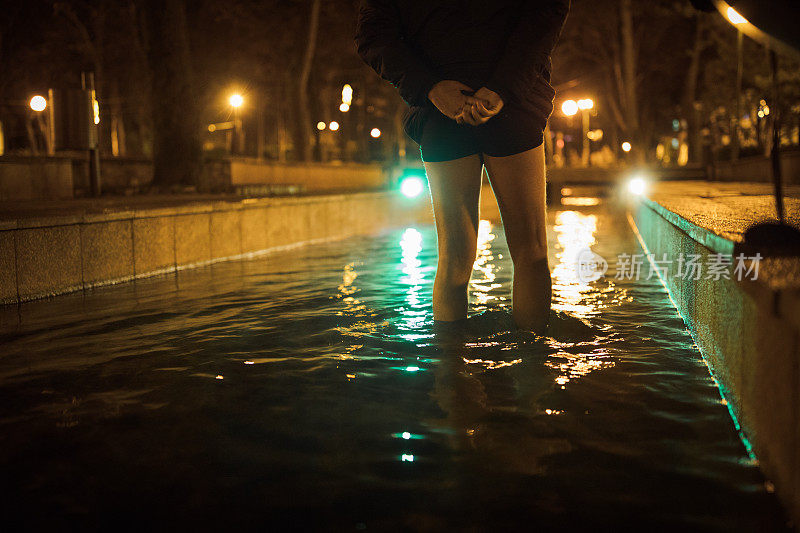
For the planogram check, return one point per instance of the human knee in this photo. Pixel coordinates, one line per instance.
(531, 253)
(455, 268)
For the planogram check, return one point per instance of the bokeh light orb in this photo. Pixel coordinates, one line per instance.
(38, 103)
(236, 100)
(412, 187)
(569, 107)
(637, 186)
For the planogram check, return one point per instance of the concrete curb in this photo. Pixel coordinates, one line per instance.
(748, 334)
(47, 256)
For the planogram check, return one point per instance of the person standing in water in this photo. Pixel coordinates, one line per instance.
(476, 77)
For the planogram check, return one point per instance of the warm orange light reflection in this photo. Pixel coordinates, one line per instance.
(580, 201)
(572, 366)
(575, 232)
(483, 278)
(491, 365)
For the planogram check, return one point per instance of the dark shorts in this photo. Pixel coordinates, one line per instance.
(510, 132)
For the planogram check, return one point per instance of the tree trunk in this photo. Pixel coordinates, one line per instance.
(690, 92)
(631, 108)
(305, 132)
(119, 146)
(177, 152)
(31, 132)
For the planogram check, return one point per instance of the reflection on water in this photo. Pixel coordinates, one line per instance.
(305, 390)
(575, 232)
(484, 277)
(415, 314)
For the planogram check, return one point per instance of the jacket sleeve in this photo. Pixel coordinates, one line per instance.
(380, 43)
(528, 49)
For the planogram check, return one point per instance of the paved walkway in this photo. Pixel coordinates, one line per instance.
(727, 209)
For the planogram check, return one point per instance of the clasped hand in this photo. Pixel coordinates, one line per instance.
(463, 104)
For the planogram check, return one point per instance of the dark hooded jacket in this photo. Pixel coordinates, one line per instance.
(504, 45)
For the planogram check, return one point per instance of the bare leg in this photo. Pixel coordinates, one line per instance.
(455, 192)
(519, 185)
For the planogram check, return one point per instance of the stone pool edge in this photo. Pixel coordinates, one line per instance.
(48, 256)
(748, 334)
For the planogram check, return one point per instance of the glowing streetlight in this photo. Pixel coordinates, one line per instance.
(347, 94)
(321, 125)
(236, 100)
(569, 108)
(735, 17)
(38, 103)
(626, 146)
(344, 108)
(375, 133)
(334, 126)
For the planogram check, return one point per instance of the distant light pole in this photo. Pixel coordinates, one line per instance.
(738, 107)
(39, 104)
(571, 108)
(236, 100)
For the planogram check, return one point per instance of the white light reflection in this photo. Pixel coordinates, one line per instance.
(483, 280)
(413, 276)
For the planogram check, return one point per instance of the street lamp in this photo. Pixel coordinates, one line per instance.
(347, 94)
(626, 147)
(333, 126)
(375, 133)
(571, 108)
(236, 100)
(734, 16)
(38, 103)
(321, 125)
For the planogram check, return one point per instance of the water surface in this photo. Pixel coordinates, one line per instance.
(304, 389)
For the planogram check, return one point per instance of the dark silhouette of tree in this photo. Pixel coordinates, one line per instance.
(304, 139)
(177, 156)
